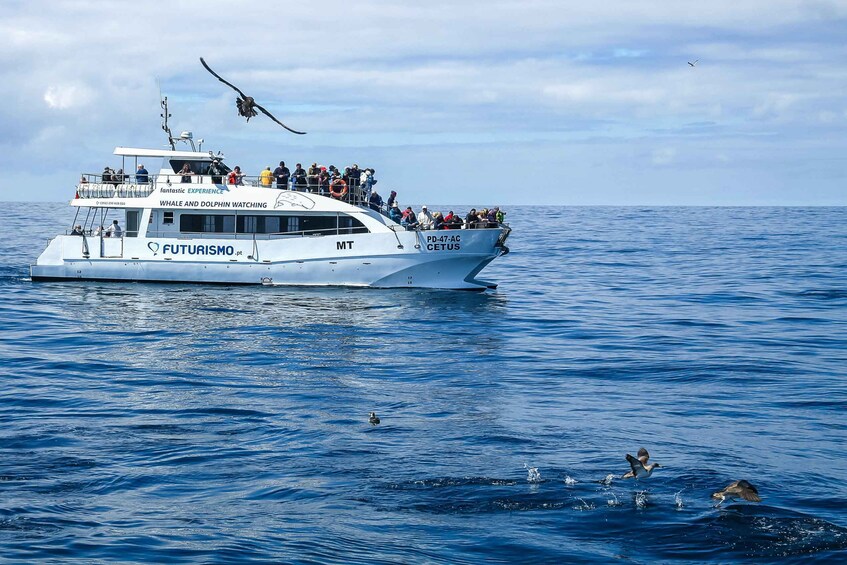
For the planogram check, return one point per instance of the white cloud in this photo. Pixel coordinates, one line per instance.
(446, 73)
(62, 97)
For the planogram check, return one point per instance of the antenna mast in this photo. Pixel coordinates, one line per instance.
(165, 115)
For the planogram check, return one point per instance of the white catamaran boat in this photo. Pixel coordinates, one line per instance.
(200, 228)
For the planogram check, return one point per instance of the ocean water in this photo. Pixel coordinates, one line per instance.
(181, 423)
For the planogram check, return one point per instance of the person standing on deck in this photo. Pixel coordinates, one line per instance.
(266, 177)
(281, 174)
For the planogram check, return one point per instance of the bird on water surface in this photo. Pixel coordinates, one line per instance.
(640, 468)
(373, 418)
(738, 489)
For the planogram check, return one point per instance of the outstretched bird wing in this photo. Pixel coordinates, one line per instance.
(643, 456)
(747, 491)
(636, 464)
(268, 114)
(217, 76)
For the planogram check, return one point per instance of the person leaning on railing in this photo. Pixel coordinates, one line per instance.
(216, 171)
(236, 176)
(266, 177)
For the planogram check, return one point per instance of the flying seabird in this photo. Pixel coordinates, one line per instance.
(640, 468)
(738, 489)
(694, 64)
(373, 418)
(247, 105)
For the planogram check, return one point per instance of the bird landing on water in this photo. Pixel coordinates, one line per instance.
(738, 489)
(640, 468)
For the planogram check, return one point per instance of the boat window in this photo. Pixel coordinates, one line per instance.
(213, 223)
(133, 219)
(168, 218)
(330, 224)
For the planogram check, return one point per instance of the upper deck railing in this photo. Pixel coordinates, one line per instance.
(128, 186)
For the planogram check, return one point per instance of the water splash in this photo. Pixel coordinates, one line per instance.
(570, 481)
(677, 499)
(607, 480)
(533, 475)
(613, 501)
(584, 505)
(641, 499)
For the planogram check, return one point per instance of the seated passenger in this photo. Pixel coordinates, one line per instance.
(83, 180)
(375, 201)
(77, 230)
(395, 214)
(438, 221)
(501, 215)
(455, 223)
(106, 176)
(186, 173)
(141, 175)
(409, 220)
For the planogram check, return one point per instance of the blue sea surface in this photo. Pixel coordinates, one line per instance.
(188, 423)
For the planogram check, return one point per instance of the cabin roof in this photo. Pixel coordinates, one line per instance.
(137, 152)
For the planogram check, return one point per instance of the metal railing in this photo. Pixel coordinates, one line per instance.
(141, 186)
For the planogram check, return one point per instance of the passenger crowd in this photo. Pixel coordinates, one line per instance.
(353, 185)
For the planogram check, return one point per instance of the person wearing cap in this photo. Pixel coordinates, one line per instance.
(409, 220)
(394, 213)
(141, 175)
(312, 177)
(281, 174)
(77, 230)
(425, 218)
(217, 171)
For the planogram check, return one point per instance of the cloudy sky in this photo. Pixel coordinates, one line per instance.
(506, 102)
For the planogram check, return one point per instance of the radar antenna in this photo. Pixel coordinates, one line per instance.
(165, 115)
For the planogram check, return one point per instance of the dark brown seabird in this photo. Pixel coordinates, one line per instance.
(640, 468)
(738, 489)
(247, 105)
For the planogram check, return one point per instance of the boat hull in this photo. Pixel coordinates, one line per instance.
(445, 259)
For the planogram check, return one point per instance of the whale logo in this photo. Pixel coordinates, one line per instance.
(294, 199)
(154, 247)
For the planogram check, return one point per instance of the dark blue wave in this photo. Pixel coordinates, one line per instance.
(184, 424)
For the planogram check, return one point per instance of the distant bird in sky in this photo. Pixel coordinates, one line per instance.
(247, 105)
(373, 418)
(694, 64)
(738, 489)
(640, 468)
